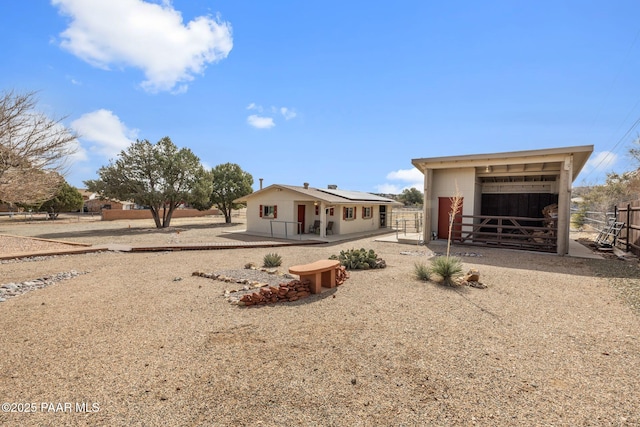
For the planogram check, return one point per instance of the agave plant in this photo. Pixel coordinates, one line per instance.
(272, 260)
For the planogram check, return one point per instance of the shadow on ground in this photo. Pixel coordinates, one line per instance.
(112, 232)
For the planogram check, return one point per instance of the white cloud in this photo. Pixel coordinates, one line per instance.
(151, 37)
(79, 154)
(267, 118)
(602, 161)
(412, 178)
(410, 175)
(388, 189)
(74, 81)
(105, 131)
(260, 122)
(287, 113)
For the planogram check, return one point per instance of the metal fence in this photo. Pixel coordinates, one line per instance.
(405, 221)
(591, 221)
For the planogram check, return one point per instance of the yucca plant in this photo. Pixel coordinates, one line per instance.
(421, 271)
(447, 267)
(272, 260)
(456, 204)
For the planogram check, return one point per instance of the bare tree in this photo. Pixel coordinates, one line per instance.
(34, 149)
(29, 186)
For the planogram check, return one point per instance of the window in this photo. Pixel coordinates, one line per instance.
(317, 210)
(269, 211)
(366, 212)
(330, 211)
(348, 213)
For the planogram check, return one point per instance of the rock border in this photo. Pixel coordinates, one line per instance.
(10, 290)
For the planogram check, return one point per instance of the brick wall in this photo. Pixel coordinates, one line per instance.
(111, 214)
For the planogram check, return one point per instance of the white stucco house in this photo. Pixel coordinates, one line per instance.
(503, 196)
(288, 210)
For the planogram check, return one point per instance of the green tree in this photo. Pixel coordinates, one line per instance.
(67, 199)
(618, 188)
(159, 176)
(229, 183)
(411, 197)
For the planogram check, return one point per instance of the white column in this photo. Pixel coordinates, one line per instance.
(323, 220)
(564, 205)
(427, 213)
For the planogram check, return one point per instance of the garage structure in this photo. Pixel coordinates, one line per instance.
(517, 199)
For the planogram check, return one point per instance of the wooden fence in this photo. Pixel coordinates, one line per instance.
(539, 234)
(629, 238)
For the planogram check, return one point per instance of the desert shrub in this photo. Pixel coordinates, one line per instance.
(421, 271)
(359, 259)
(447, 267)
(272, 260)
(579, 218)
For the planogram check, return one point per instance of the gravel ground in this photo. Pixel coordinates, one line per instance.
(551, 341)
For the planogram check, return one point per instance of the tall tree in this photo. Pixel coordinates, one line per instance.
(31, 146)
(229, 183)
(159, 175)
(411, 197)
(67, 199)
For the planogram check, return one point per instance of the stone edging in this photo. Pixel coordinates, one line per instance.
(10, 290)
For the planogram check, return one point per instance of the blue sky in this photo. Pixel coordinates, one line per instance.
(331, 92)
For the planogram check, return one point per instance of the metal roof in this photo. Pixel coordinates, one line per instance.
(356, 195)
(332, 196)
(531, 161)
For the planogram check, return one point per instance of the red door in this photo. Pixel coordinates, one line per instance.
(444, 209)
(301, 218)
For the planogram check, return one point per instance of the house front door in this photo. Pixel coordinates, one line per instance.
(301, 213)
(444, 209)
(383, 216)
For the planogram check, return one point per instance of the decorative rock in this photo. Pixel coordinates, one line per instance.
(477, 285)
(472, 278)
(472, 275)
(14, 289)
(258, 293)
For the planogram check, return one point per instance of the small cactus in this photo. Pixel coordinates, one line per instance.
(272, 260)
(359, 259)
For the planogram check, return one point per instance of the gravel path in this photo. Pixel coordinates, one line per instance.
(550, 342)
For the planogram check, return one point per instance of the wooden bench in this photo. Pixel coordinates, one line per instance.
(319, 273)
